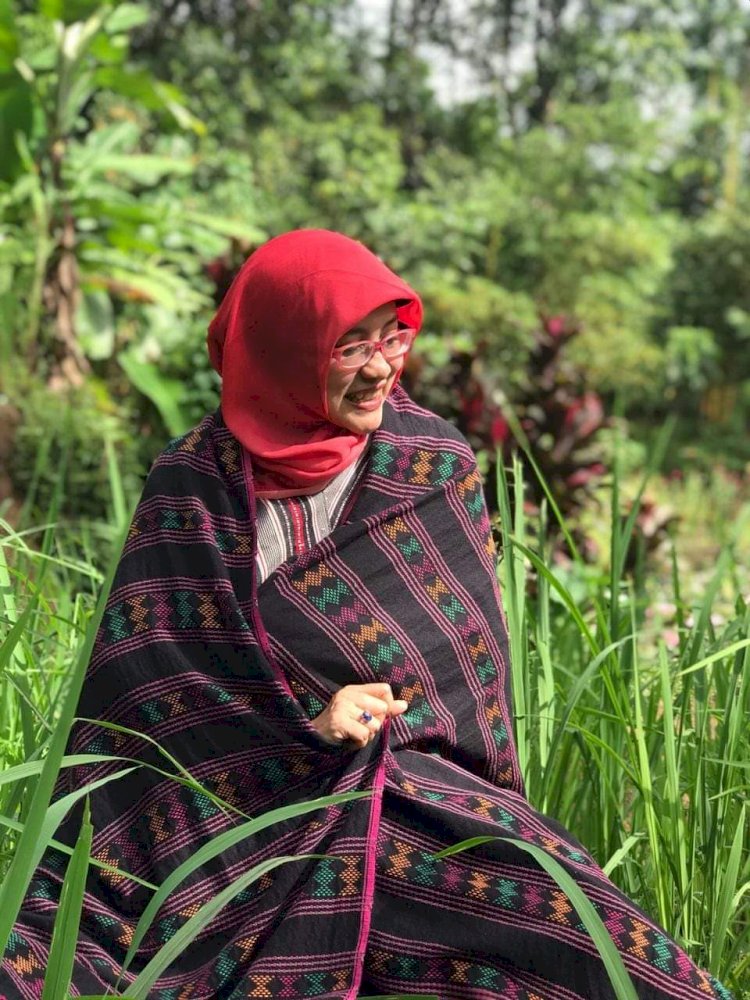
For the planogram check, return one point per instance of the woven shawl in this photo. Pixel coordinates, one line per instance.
(226, 676)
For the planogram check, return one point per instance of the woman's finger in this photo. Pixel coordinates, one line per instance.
(373, 722)
(375, 706)
(379, 689)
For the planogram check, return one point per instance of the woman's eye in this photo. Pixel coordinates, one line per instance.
(391, 340)
(353, 351)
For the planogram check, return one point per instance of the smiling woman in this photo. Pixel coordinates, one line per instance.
(307, 604)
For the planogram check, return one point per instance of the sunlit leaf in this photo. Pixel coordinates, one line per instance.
(165, 393)
(127, 16)
(68, 11)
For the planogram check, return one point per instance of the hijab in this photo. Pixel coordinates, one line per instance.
(271, 342)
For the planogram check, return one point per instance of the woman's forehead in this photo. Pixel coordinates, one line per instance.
(383, 314)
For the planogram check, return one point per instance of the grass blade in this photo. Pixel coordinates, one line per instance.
(32, 767)
(619, 977)
(13, 824)
(27, 854)
(727, 897)
(67, 921)
(182, 938)
(720, 654)
(217, 845)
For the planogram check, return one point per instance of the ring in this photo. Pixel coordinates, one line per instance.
(365, 716)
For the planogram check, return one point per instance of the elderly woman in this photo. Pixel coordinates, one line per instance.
(307, 604)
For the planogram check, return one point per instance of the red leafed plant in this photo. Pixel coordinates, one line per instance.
(557, 413)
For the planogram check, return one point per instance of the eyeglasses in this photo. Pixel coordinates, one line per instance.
(352, 356)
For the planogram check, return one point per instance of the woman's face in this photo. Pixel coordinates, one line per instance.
(355, 399)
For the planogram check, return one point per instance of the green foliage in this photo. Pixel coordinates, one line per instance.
(658, 730)
(147, 144)
(95, 223)
(709, 287)
(73, 429)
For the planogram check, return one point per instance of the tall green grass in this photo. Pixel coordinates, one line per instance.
(640, 750)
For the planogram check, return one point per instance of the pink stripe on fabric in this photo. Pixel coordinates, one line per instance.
(368, 891)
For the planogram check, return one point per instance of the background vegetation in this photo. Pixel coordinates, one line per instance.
(566, 183)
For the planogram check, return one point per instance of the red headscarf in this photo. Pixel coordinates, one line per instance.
(271, 342)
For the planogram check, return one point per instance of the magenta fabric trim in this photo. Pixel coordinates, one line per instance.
(371, 849)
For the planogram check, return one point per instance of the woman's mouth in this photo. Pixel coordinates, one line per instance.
(367, 399)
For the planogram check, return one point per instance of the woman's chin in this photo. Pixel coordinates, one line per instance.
(360, 421)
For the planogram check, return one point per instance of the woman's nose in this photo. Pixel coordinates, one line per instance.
(377, 367)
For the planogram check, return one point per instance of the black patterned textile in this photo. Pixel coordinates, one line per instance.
(226, 676)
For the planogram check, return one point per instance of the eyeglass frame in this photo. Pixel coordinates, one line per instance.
(375, 346)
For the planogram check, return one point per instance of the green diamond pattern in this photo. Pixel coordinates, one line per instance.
(445, 466)
(171, 520)
(407, 967)
(386, 651)
(507, 893)
(274, 773)
(486, 671)
(425, 873)
(186, 616)
(410, 548)
(663, 954)
(331, 595)
(153, 711)
(118, 622)
(204, 806)
(452, 608)
(381, 458)
(324, 878)
(316, 984)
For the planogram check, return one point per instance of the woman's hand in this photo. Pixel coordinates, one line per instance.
(341, 720)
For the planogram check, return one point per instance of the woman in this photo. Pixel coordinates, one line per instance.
(306, 605)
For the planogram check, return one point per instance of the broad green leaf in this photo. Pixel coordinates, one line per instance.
(138, 84)
(174, 102)
(143, 168)
(73, 100)
(165, 393)
(16, 116)
(136, 286)
(127, 16)
(233, 228)
(68, 917)
(109, 50)
(95, 324)
(8, 40)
